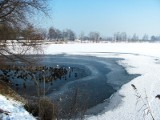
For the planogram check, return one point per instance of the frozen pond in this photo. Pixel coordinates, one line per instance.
(88, 81)
(102, 77)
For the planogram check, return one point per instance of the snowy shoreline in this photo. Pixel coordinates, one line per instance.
(15, 109)
(139, 58)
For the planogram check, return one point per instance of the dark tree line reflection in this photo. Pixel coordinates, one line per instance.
(25, 78)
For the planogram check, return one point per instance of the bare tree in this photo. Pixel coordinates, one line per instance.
(124, 36)
(52, 34)
(68, 34)
(59, 34)
(14, 16)
(95, 36)
(145, 37)
(82, 36)
(15, 12)
(116, 37)
(135, 37)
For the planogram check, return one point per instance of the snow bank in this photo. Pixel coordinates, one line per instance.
(15, 109)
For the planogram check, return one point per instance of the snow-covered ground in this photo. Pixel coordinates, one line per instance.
(15, 109)
(139, 58)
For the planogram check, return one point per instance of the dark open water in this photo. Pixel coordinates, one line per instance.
(91, 81)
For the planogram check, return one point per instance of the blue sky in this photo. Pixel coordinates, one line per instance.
(105, 16)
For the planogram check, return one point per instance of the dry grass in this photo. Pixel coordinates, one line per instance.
(145, 108)
(44, 109)
(9, 93)
(47, 109)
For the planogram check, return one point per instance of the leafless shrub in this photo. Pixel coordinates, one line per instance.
(76, 106)
(145, 107)
(44, 109)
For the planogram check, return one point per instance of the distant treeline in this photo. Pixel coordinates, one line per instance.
(53, 34)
